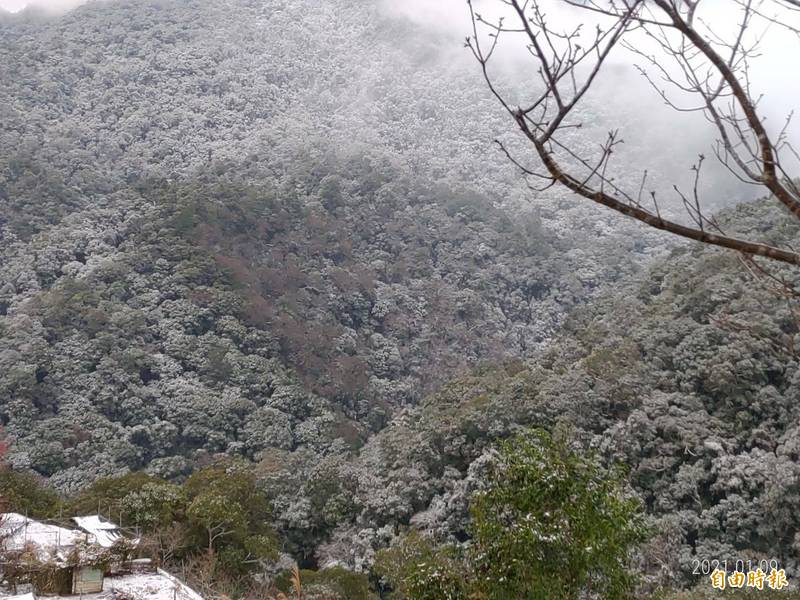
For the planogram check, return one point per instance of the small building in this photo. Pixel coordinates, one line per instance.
(64, 563)
(53, 559)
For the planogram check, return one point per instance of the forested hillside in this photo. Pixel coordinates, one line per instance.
(686, 375)
(298, 224)
(266, 249)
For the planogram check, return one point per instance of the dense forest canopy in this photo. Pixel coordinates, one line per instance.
(170, 198)
(264, 253)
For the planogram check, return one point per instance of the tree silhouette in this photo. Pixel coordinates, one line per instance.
(682, 51)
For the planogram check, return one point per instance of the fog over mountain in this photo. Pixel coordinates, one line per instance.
(451, 19)
(776, 58)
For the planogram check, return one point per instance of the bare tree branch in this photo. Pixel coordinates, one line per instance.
(693, 59)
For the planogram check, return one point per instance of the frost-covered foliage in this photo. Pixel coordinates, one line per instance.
(121, 349)
(551, 524)
(687, 376)
(222, 234)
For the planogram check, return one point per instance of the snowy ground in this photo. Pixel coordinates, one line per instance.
(141, 586)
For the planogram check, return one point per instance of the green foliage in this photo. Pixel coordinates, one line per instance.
(334, 583)
(550, 524)
(219, 506)
(155, 505)
(106, 495)
(72, 304)
(230, 514)
(27, 494)
(215, 512)
(233, 481)
(553, 524)
(417, 569)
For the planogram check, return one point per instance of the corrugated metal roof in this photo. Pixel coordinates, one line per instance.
(105, 532)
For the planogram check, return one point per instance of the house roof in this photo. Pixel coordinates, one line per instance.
(20, 531)
(105, 532)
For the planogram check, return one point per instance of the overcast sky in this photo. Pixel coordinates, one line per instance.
(771, 74)
(56, 5)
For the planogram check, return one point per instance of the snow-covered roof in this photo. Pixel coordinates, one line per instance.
(105, 532)
(50, 540)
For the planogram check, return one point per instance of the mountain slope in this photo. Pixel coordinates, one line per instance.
(199, 199)
(687, 375)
